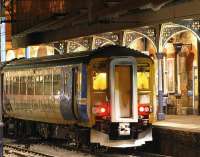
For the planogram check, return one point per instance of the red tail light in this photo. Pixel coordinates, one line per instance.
(143, 109)
(101, 110)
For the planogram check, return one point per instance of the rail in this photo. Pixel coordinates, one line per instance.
(146, 154)
(21, 152)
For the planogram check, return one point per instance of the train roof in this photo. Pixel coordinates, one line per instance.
(73, 58)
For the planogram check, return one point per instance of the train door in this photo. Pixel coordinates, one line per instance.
(123, 78)
(75, 89)
(68, 99)
(79, 92)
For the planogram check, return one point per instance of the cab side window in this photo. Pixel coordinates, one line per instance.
(99, 81)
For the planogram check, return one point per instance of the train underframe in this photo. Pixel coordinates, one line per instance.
(104, 133)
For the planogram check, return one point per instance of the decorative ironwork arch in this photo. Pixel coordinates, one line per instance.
(100, 41)
(74, 46)
(82, 43)
(55, 48)
(131, 36)
(170, 29)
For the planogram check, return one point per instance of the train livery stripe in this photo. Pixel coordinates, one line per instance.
(83, 104)
(84, 82)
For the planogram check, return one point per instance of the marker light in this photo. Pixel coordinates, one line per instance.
(141, 109)
(146, 109)
(101, 110)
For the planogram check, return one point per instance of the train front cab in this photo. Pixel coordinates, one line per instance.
(121, 110)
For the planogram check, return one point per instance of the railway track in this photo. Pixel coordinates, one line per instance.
(16, 151)
(145, 154)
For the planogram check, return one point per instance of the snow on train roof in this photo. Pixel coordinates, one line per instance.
(73, 58)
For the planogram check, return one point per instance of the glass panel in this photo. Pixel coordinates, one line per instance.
(39, 85)
(47, 84)
(22, 85)
(56, 84)
(4, 85)
(7, 82)
(100, 81)
(15, 85)
(11, 85)
(77, 79)
(67, 76)
(143, 77)
(30, 85)
(123, 90)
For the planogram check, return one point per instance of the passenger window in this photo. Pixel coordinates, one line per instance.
(23, 85)
(65, 82)
(78, 81)
(47, 84)
(56, 84)
(39, 85)
(7, 82)
(16, 85)
(30, 85)
(11, 84)
(5, 86)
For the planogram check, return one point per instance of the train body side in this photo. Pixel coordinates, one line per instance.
(108, 95)
(50, 94)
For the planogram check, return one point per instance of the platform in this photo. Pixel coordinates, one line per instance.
(177, 135)
(189, 123)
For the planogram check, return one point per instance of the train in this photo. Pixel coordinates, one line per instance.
(103, 97)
